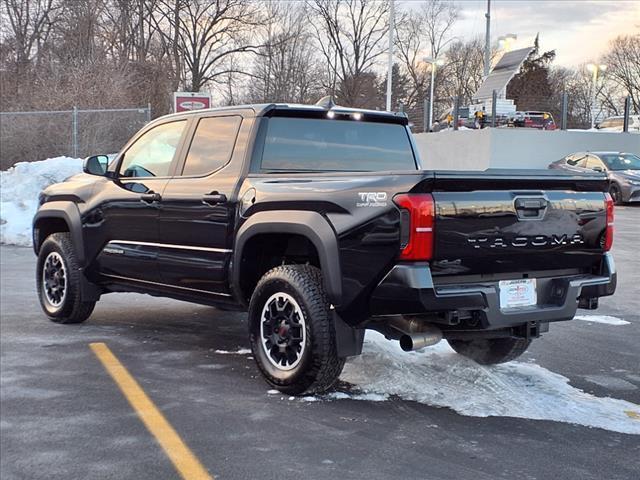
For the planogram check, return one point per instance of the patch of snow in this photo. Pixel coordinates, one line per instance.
(20, 186)
(602, 319)
(273, 392)
(438, 376)
(241, 351)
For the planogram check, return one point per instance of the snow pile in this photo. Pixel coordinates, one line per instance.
(438, 376)
(19, 189)
(606, 319)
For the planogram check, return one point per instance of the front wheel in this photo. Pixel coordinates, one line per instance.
(292, 334)
(490, 351)
(59, 282)
(616, 194)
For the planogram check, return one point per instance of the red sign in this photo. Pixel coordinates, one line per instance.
(185, 101)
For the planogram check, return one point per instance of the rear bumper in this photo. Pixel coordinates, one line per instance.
(409, 289)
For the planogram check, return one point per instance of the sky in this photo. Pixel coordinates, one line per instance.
(579, 30)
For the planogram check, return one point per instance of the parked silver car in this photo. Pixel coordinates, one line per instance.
(623, 170)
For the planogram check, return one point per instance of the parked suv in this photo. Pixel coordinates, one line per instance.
(320, 222)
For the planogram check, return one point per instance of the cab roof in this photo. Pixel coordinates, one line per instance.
(302, 111)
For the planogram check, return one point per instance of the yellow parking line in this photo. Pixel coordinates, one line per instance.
(183, 459)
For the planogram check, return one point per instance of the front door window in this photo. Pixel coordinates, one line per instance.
(151, 155)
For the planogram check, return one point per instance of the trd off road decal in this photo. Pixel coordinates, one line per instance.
(372, 199)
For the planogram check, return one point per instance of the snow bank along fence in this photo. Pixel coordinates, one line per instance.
(27, 136)
(514, 147)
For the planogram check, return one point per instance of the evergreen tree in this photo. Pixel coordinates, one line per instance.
(531, 88)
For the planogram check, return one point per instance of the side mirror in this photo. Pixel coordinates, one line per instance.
(597, 169)
(96, 165)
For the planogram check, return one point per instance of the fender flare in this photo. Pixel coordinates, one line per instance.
(67, 211)
(309, 224)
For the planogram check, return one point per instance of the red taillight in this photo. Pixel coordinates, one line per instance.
(608, 234)
(418, 225)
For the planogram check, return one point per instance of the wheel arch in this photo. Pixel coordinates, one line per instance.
(51, 217)
(308, 225)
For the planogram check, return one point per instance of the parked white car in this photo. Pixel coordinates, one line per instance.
(615, 124)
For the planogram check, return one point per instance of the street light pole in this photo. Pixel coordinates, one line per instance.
(595, 68)
(433, 62)
(487, 41)
(433, 77)
(390, 65)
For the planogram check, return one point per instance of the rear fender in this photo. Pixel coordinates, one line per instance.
(311, 225)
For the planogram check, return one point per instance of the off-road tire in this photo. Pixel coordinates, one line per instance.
(72, 309)
(319, 366)
(491, 351)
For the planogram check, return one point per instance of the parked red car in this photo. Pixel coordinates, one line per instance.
(531, 119)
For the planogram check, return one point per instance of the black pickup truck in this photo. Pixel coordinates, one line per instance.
(321, 223)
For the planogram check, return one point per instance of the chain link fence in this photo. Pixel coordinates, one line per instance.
(36, 135)
(562, 112)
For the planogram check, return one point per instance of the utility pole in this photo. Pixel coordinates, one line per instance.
(487, 41)
(595, 69)
(390, 66)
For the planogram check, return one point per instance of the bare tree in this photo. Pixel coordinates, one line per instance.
(28, 24)
(427, 29)
(350, 35)
(463, 69)
(128, 29)
(623, 60)
(286, 68)
(204, 34)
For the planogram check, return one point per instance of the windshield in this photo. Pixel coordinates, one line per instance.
(621, 161)
(317, 145)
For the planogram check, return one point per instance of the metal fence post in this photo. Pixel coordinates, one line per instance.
(627, 112)
(74, 126)
(456, 111)
(565, 111)
(494, 109)
(425, 116)
(149, 112)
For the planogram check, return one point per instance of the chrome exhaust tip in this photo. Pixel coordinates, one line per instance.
(417, 341)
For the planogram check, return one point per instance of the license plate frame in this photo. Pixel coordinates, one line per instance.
(520, 293)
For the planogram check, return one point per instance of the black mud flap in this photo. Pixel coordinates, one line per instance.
(349, 340)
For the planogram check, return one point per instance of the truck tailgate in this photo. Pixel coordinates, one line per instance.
(515, 221)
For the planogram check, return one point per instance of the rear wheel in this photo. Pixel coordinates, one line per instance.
(490, 351)
(616, 194)
(292, 334)
(59, 282)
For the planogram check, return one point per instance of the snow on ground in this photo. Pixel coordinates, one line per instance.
(20, 186)
(241, 351)
(439, 377)
(602, 319)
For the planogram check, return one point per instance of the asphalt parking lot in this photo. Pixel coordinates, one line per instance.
(64, 417)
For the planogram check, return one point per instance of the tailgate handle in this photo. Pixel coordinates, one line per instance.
(531, 208)
(531, 203)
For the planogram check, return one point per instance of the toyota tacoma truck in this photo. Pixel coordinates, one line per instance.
(320, 222)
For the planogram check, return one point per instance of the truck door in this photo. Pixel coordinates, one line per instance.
(122, 221)
(197, 212)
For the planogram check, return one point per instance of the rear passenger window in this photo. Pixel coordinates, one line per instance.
(212, 145)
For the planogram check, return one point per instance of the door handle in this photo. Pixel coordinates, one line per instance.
(214, 198)
(150, 197)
